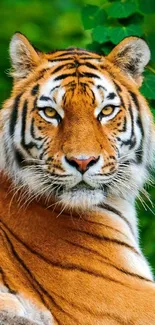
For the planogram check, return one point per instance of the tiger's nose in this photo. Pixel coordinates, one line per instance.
(82, 165)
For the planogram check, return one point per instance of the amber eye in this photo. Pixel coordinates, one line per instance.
(50, 115)
(50, 112)
(107, 110)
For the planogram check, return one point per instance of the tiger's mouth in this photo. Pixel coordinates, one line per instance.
(82, 195)
(82, 186)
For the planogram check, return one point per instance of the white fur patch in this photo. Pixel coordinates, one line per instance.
(21, 306)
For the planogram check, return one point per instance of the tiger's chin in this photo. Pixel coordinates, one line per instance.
(82, 198)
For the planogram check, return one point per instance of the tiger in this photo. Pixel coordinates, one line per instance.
(77, 144)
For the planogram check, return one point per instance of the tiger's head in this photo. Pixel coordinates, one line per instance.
(76, 127)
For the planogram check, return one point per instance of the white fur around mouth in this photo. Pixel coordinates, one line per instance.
(82, 196)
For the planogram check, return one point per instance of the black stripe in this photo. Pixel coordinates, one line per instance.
(84, 87)
(88, 75)
(132, 138)
(124, 124)
(111, 209)
(32, 132)
(90, 58)
(23, 129)
(126, 142)
(139, 123)
(90, 65)
(31, 145)
(74, 51)
(14, 115)
(101, 87)
(134, 98)
(20, 159)
(65, 75)
(128, 273)
(45, 98)
(139, 153)
(43, 153)
(56, 87)
(124, 128)
(34, 104)
(90, 250)
(131, 142)
(132, 120)
(67, 53)
(111, 95)
(60, 67)
(5, 283)
(41, 73)
(118, 88)
(107, 239)
(61, 60)
(93, 96)
(35, 90)
(122, 101)
(117, 318)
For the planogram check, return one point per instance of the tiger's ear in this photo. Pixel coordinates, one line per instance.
(131, 56)
(23, 56)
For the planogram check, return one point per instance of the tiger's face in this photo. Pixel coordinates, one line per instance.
(78, 127)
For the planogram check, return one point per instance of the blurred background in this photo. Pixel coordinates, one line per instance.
(93, 24)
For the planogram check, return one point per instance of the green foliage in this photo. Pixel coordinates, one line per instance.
(121, 9)
(93, 16)
(147, 6)
(148, 87)
(117, 33)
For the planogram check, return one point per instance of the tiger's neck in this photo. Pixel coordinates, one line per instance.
(108, 232)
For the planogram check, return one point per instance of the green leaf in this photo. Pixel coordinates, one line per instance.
(118, 33)
(153, 111)
(95, 47)
(151, 42)
(106, 48)
(136, 18)
(147, 6)
(148, 87)
(93, 16)
(122, 9)
(100, 34)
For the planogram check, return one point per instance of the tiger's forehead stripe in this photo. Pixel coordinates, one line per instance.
(74, 53)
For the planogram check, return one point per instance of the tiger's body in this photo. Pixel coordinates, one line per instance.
(76, 145)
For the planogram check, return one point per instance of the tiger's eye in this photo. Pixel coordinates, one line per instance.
(50, 112)
(107, 110)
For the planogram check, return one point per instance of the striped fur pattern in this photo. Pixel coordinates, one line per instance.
(77, 143)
